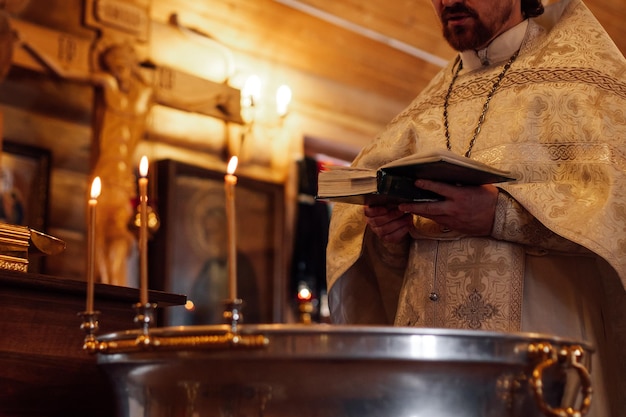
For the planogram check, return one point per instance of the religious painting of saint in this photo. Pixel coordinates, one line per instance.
(189, 253)
(24, 176)
(24, 183)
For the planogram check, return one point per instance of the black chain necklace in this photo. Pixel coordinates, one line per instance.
(481, 119)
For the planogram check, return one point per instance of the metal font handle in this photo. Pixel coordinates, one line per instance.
(567, 357)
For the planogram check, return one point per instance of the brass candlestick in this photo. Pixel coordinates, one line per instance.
(90, 327)
(144, 317)
(232, 314)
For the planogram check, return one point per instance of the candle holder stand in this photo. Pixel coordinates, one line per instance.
(148, 339)
(144, 316)
(90, 327)
(232, 314)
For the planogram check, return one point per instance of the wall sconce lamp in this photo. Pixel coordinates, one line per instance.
(251, 106)
(253, 110)
(260, 116)
(264, 130)
(283, 98)
(250, 99)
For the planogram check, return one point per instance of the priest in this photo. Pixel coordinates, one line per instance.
(537, 92)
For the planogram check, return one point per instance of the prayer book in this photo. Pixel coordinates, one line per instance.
(394, 183)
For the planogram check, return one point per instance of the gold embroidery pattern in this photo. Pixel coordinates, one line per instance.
(479, 87)
(479, 282)
(475, 265)
(534, 77)
(414, 306)
(475, 311)
(587, 76)
(515, 224)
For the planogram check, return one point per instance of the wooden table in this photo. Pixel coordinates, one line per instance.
(44, 371)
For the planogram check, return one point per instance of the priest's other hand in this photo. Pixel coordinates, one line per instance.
(466, 209)
(388, 223)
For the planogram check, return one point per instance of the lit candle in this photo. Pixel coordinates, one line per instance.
(143, 230)
(230, 181)
(91, 240)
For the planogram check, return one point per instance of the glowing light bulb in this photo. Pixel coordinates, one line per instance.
(283, 98)
(251, 92)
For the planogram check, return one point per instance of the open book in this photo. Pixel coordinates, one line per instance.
(394, 182)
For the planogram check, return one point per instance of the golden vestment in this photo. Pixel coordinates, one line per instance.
(555, 262)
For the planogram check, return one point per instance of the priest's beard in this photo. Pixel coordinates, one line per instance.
(465, 38)
(476, 35)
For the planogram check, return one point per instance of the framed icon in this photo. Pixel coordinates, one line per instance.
(188, 254)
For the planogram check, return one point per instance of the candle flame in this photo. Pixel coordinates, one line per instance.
(232, 165)
(96, 187)
(143, 166)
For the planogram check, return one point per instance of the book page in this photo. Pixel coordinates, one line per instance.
(446, 166)
(442, 155)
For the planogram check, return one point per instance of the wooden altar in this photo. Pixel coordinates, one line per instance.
(43, 370)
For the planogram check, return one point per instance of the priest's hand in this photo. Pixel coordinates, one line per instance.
(388, 223)
(466, 209)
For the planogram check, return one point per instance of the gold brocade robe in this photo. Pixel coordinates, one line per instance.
(556, 259)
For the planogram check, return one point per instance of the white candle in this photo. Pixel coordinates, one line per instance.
(230, 180)
(143, 230)
(91, 240)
